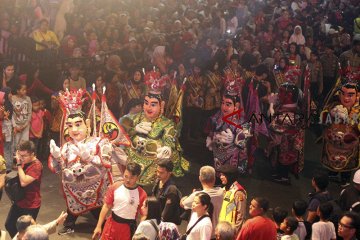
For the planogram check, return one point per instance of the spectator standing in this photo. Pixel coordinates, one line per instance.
(36, 232)
(233, 208)
(259, 227)
(76, 81)
(207, 180)
(8, 74)
(36, 124)
(200, 226)
(349, 226)
(350, 196)
(319, 182)
(30, 173)
(125, 201)
(224, 231)
(21, 114)
(167, 193)
(303, 231)
(324, 229)
(150, 227)
(288, 226)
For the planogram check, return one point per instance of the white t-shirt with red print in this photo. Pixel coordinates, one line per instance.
(127, 203)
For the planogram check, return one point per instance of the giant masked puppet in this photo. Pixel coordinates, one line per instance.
(153, 136)
(84, 162)
(341, 135)
(227, 132)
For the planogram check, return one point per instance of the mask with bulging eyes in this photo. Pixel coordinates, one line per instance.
(140, 145)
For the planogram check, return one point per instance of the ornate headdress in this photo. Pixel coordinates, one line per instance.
(155, 83)
(350, 76)
(72, 101)
(293, 73)
(233, 87)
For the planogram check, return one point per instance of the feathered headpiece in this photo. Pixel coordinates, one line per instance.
(72, 101)
(155, 83)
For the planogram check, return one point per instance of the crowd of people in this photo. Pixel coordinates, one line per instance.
(237, 76)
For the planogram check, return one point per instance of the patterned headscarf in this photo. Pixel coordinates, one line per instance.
(168, 230)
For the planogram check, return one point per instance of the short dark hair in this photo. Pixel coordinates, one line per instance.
(261, 69)
(279, 214)
(167, 164)
(154, 209)
(134, 168)
(325, 210)
(321, 180)
(28, 146)
(23, 222)
(34, 99)
(263, 203)
(355, 219)
(299, 207)
(292, 223)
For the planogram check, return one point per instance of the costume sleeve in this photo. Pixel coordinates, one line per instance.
(240, 201)
(169, 137)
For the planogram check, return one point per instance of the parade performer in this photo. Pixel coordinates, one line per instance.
(227, 133)
(153, 136)
(341, 117)
(84, 161)
(286, 133)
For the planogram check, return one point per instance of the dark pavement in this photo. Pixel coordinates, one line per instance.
(259, 184)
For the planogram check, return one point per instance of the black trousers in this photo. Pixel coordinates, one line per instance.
(71, 218)
(16, 212)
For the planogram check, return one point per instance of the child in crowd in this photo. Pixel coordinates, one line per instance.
(288, 226)
(7, 128)
(76, 81)
(37, 123)
(303, 230)
(324, 229)
(21, 114)
(279, 214)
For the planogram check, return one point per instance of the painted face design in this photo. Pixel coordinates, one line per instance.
(152, 108)
(77, 128)
(347, 97)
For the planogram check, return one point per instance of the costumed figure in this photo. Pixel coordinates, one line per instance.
(153, 136)
(341, 116)
(227, 132)
(194, 102)
(83, 161)
(286, 132)
(174, 106)
(213, 87)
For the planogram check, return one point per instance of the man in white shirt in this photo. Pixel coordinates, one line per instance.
(207, 180)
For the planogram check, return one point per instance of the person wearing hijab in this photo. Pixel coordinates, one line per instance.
(297, 37)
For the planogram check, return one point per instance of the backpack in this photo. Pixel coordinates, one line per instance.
(13, 187)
